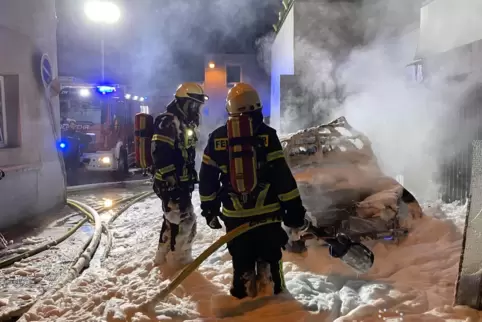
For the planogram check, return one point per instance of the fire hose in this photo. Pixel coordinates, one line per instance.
(35, 251)
(89, 248)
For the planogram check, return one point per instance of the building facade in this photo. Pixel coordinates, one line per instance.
(34, 182)
(450, 53)
(308, 46)
(222, 71)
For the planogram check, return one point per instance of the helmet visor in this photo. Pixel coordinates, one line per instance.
(193, 112)
(200, 98)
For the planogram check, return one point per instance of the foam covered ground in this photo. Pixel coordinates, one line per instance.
(413, 281)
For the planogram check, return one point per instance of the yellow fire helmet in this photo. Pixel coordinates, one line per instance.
(242, 98)
(191, 91)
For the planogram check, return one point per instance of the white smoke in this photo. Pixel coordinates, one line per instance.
(155, 45)
(263, 47)
(179, 33)
(352, 60)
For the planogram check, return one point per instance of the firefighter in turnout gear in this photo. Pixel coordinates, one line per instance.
(173, 155)
(244, 170)
(72, 151)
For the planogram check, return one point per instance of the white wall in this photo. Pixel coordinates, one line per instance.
(34, 183)
(447, 24)
(282, 63)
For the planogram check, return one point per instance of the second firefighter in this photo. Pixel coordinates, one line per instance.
(173, 154)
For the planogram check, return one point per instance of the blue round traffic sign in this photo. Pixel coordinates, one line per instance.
(46, 70)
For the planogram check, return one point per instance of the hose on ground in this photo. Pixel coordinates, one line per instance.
(102, 208)
(83, 260)
(131, 203)
(105, 228)
(86, 256)
(108, 247)
(70, 232)
(44, 247)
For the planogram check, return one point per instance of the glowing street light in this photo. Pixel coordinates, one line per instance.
(212, 65)
(135, 98)
(141, 99)
(128, 96)
(104, 12)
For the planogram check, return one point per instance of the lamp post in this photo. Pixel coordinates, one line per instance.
(103, 12)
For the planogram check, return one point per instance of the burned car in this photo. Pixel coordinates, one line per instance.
(342, 185)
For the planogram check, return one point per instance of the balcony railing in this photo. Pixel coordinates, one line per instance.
(287, 5)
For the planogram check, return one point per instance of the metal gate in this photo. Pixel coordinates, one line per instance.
(455, 174)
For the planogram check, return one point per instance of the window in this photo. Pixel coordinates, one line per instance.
(233, 75)
(3, 115)
(145, 109)
(82, 112)
(415, 72)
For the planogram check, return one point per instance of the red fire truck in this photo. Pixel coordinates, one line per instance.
(102, 113)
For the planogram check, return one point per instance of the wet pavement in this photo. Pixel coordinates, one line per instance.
(89, 177)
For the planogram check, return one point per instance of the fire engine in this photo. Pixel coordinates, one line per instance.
(105, 115)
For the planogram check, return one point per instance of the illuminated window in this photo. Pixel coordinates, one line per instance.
(233, 75)
(3, 115)
(145, 109)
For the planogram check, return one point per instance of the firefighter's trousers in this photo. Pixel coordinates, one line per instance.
(257, 265)
(177, 234)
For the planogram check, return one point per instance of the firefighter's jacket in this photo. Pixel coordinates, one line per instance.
(276, 193)
(173, 152)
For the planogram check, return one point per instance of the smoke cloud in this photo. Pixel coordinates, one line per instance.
(157, 44)
(351, 59)
(176, 35)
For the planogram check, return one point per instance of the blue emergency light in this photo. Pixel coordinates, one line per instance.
(104, 89)
(62, 145)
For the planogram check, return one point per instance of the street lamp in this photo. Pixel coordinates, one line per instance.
(103, 12)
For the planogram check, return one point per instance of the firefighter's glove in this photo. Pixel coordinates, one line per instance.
(295, 233)
(171, 182)
(212, 219)
(294, 216)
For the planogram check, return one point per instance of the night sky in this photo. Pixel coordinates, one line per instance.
(158, 42)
